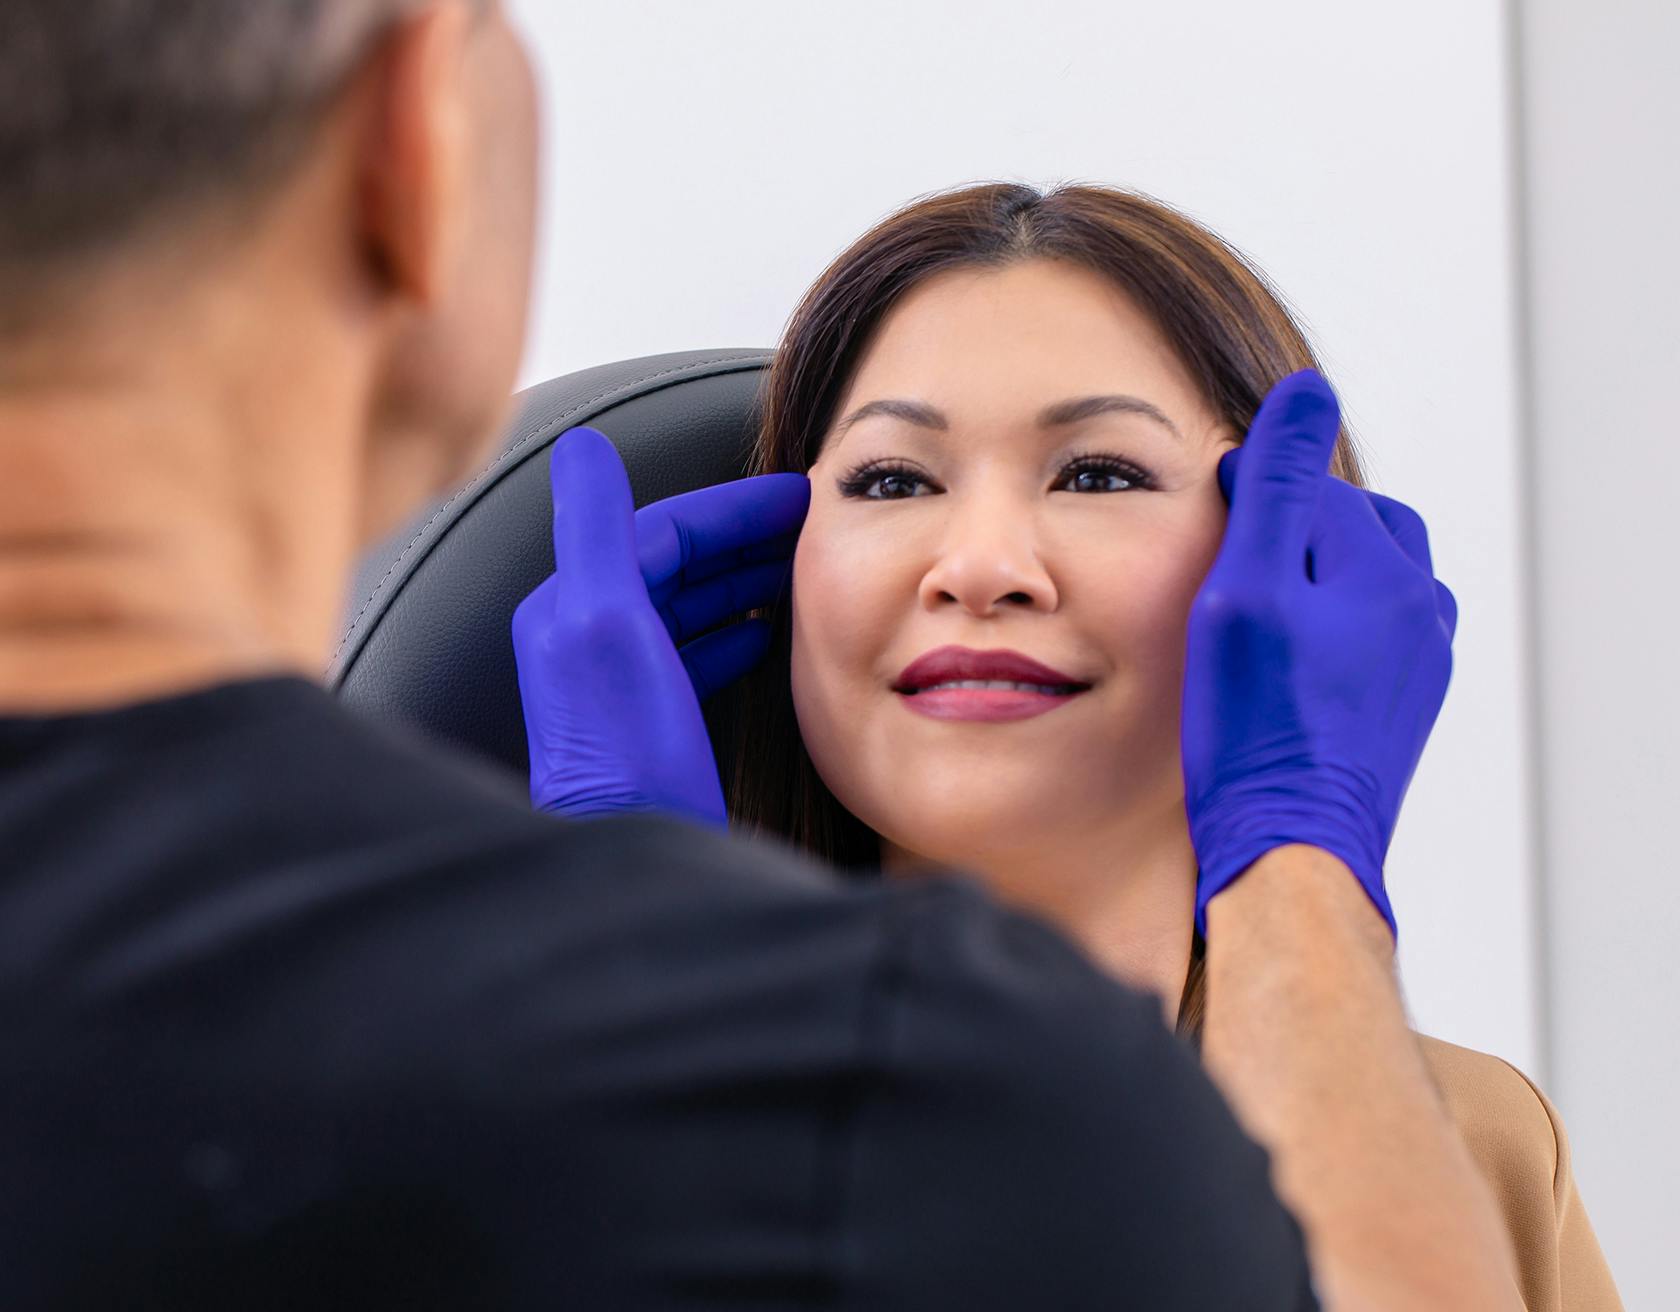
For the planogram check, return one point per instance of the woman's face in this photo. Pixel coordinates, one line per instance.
(1049, 488)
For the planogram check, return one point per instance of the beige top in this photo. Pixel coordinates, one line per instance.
(1517, 1139)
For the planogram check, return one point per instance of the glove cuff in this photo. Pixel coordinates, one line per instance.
(1226, 849)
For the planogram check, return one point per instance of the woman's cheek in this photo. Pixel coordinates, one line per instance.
(835, 630)
(1145, 595)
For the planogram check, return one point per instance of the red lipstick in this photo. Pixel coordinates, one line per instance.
(920, 685)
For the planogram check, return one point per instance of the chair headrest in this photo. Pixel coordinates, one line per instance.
(429, 629)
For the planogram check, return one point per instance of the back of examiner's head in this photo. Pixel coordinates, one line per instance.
(314, 214)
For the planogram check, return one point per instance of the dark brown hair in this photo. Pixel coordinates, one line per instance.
(1230, 329)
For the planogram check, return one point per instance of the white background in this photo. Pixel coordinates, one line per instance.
(1601, 110)
(1425, 184)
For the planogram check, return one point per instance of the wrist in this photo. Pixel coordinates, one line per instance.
(1293, 886)
(1252, 818)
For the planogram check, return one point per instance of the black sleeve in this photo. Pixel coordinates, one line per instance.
(1038, 1139)
(760, 1089)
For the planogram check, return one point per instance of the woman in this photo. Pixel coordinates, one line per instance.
(1011, 406)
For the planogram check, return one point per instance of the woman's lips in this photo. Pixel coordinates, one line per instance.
(1001, 685)
(985, 703)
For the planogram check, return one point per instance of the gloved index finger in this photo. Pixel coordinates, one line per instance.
(695, 535)
(1408, 529)
(1286, 455)
(594, 515)
(1405, 525)
(694, 578)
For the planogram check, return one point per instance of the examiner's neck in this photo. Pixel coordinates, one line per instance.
(154, 541)
(121, 666)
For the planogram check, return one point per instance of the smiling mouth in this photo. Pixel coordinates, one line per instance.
(989, 701)
(999, 685)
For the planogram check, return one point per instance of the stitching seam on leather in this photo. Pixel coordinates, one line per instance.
(505, 458)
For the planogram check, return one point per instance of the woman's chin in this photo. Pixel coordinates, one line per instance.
(980, 795)
(974, 839)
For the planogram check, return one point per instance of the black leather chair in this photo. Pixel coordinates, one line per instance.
(428, 636)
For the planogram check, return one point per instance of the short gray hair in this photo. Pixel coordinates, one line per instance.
(112, 111)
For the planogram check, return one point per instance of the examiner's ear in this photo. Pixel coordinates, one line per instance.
(413, 167)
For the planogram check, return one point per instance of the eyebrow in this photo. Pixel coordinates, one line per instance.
(1058, 415)
(912, 412)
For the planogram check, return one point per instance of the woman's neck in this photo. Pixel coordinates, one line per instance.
(1126, 894)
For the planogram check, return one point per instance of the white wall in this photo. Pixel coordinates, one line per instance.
(706, 160)
(1602, 108)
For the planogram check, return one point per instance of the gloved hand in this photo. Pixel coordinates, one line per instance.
(1318, 654)
(612, 707)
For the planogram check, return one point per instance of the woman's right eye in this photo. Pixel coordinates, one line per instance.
(891, 479)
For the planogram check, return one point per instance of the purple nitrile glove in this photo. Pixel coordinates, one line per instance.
(1318, 654)
(612, 706)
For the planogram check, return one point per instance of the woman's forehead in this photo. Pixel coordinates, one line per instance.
(1007, 344)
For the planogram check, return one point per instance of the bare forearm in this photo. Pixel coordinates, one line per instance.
(1306, 1035)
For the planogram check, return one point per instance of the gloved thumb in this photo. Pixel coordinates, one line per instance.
(594, 516)
(1276, 483)
(1227, 472)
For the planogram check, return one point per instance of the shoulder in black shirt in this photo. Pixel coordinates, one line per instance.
(302, 1012)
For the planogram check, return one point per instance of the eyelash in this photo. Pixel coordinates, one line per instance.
(857, 481)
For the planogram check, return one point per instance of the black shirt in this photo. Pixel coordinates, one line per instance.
(298, 1011)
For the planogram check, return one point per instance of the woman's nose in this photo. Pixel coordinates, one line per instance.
(988, 557)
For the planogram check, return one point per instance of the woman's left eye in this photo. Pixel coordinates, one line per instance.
(1104, 474)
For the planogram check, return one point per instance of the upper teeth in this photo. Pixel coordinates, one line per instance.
(995, 683)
